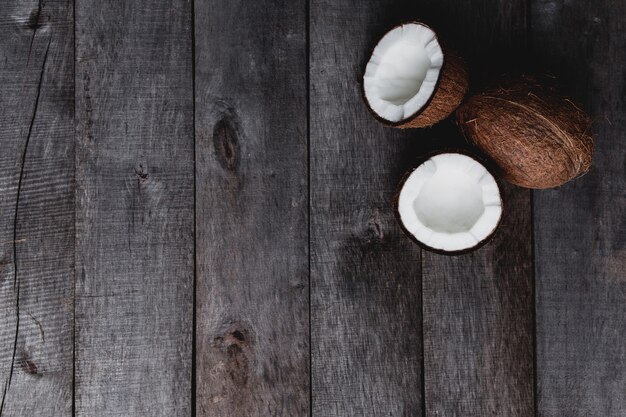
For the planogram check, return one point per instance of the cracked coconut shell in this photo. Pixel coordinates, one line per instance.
(538, 138)
(411, 81)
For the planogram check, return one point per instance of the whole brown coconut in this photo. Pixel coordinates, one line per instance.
(410, 81)
(538, 138)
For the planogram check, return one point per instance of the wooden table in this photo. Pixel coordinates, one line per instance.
(195, 218)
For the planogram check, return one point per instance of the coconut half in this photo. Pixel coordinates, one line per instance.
(409, 81)
(450, 204)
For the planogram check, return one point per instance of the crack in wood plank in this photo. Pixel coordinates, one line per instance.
(33, 23)
(16, 283)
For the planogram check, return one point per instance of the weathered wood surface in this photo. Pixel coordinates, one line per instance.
(365, 277)
(36, 208)
(134, 208)
(580, 229)
(252, 349)
(478, 309)
(116, 196)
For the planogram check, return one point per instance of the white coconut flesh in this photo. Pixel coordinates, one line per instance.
(450, 202)
(403, 71)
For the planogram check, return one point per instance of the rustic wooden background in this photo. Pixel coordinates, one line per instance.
(195, 218)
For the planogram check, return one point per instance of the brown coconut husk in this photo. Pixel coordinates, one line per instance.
(538, 138)
(448, 95)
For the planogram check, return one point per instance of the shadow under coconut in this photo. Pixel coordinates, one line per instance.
(493, 47)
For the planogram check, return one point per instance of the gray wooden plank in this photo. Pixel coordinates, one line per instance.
(365, 277)
(580, 228)
(478, 309)
(134, 208)
(36, 208)
(252, 340)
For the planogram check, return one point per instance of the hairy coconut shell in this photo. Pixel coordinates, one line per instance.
(450, 91)
(538, 138)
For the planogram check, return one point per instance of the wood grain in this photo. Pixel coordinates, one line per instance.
(36, 208)
(580, 229)
(365, 276)
(134, 208)
(252, 318)
(478, 309)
